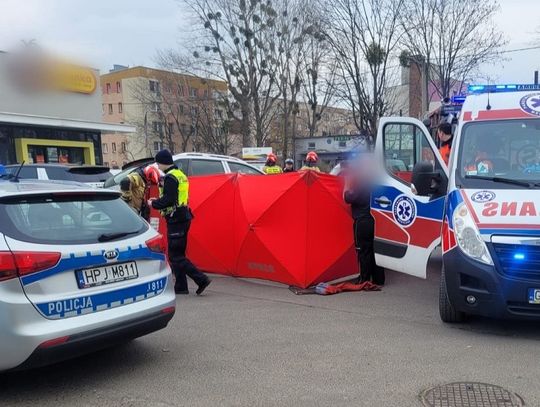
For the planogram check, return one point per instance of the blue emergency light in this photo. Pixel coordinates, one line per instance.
(519, 256)
(502, 88)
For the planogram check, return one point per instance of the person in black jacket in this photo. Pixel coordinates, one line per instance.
(173, 205)
(357, 193)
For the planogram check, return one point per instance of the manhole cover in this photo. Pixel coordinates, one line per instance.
(470, 395)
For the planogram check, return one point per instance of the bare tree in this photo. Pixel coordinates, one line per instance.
(450, 39)
(364, 34)
(318, 74)
(240, 38)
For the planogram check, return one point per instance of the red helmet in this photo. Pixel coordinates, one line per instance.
(271, 158)
(151, 173)
(312, 157)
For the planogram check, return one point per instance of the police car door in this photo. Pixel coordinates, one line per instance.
(407, 227)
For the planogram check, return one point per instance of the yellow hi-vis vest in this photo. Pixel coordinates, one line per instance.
(274, 169)
(183, 191)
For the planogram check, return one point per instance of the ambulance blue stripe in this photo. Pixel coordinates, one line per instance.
(431, 210)
(90, 303)
(74, 263)
(454, 199)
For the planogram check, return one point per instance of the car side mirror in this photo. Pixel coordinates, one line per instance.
(428, 182)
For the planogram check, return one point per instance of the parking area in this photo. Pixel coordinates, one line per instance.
(247, 343)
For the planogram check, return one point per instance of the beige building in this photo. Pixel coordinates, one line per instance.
(170, 110)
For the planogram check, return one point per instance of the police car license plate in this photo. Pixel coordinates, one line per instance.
(534, 295)
(111, 273)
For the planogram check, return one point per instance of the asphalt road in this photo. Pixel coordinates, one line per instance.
(250, 343)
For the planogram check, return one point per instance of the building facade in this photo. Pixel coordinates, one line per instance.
(50, 111)
(169, 110)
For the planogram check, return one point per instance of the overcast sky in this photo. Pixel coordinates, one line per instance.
(128, 32)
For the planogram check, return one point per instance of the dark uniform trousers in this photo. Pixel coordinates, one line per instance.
(364, 233)
(177, 235)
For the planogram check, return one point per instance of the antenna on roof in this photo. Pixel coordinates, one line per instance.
(16, 176)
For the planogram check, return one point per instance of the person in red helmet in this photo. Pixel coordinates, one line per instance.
(311, 162)
(271, 168)
(135, 187)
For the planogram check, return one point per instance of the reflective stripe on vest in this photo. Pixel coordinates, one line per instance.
(272, 169)
(183, 191)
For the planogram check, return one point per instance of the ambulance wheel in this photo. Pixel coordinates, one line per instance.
(447, 312)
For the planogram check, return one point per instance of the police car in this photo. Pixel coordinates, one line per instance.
(484, 210)
(79, 271)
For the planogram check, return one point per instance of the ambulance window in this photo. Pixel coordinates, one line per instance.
(404, 146)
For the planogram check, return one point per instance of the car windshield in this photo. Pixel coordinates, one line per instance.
(67, 218)
(500, 154)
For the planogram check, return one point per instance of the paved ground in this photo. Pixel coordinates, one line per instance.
(249, 343)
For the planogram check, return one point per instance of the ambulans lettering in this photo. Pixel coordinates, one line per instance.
(504, 209)
(74, 304)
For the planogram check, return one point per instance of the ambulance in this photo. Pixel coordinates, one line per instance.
(483, 210)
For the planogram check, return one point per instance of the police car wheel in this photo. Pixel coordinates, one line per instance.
(447, 312)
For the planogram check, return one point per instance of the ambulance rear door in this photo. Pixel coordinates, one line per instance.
(407, 227)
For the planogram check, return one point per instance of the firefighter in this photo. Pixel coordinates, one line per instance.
(271, 167)
(444, 132)
(289, 165)
(173, 205)
(311, 162)
(135, 187)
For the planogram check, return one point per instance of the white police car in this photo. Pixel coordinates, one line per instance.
(79, 271)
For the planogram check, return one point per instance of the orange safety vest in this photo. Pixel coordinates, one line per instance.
(445, 152)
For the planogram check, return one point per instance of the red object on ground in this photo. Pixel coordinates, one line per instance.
(293, 228)
(329, 289)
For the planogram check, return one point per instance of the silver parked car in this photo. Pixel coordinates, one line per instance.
(79, 271)
(193, 164)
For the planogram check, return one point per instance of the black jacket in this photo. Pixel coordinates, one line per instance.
(170, 192)
(360, 201)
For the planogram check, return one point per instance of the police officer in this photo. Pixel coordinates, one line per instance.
(173, 205)
(289, 166)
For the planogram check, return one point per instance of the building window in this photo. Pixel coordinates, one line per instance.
(181, 109)
(206, 93)
(120, 108)
(103, 108)
(155, 106)
(118, 87)
(180, 90)
(194, 111)
(158, 146)
(193, 92)
(105, 163)
(108, 88)
(110, 108)
(114, 147)
(154, 86)
(183, 128)
(157, 126)
(167, 87)
(123, 147)
(218, 114)
(105, 148)
(171, 128)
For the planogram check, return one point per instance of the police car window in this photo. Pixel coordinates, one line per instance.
(242, 168)
(503, 148)
(206, 167)
(67, 220)
(404, 146)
